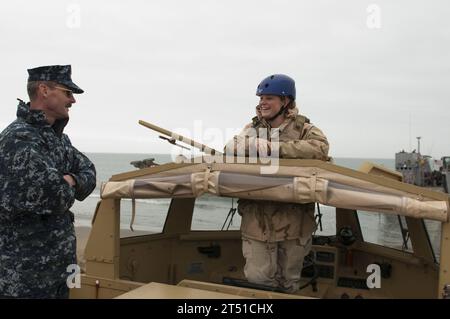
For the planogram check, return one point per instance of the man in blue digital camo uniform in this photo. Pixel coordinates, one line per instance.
(41, 175)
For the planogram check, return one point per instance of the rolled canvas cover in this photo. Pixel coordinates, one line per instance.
(290, 184)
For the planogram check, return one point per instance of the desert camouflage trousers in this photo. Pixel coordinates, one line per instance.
(276, 264)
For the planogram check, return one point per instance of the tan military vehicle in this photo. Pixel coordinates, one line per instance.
(181, 262)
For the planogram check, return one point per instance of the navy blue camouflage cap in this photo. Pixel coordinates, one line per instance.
(57, 73)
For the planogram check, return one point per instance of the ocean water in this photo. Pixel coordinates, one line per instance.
(215, 213)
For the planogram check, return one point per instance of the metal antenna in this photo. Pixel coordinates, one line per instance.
(418, 143)
(410, 149)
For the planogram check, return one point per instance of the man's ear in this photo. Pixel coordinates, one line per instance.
(43, 89)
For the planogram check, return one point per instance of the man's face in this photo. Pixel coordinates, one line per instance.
(269, 105)
(58, 99)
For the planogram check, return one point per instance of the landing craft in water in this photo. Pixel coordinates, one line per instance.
(423, 170)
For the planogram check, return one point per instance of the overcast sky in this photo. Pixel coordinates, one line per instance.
(372, 75)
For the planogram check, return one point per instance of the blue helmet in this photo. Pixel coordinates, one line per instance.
(277, 84)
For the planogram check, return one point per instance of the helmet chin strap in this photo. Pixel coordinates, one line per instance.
(278, 113)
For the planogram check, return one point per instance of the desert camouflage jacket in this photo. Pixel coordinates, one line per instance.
(37, 238)
(275, 221)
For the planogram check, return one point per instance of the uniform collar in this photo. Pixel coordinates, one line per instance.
(290, 115)
(34, 117)
(37, 118)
